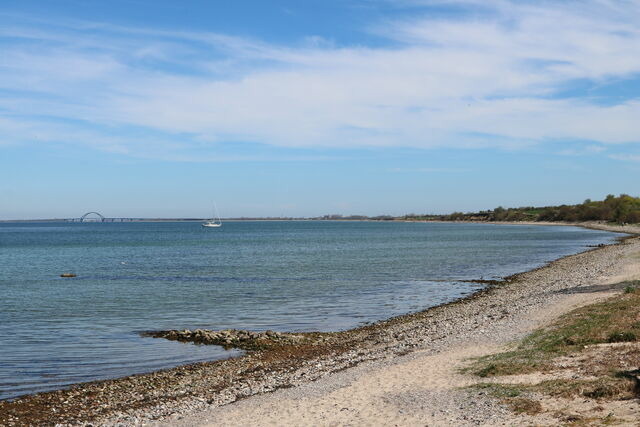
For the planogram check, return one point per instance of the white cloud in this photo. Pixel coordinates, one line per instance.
(476, 80)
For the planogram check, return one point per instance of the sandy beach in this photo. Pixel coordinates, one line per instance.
(403, 371)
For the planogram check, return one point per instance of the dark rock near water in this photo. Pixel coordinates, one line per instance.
(229, 338)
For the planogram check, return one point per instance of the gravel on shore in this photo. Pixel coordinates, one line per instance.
(142, 399)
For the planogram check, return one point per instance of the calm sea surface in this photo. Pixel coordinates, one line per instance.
(286, 276)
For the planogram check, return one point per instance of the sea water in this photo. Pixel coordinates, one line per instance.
(280, 275)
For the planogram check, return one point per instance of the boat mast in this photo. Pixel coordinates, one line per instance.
(216, 215)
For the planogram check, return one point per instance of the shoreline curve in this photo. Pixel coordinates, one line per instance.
(193, 387)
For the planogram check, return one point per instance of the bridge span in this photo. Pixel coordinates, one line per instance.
(98, 217)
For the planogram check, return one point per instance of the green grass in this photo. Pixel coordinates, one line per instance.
(618, 387)
(615, 320)
(603, 373)
(605, 387)
(623, 336)
(499, 390)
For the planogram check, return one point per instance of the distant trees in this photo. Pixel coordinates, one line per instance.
(621, 209)
(499, 214)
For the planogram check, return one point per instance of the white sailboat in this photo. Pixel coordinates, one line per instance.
(214, 221)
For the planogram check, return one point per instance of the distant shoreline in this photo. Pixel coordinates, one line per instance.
(622, 209)
(595, 225)
(124, 220)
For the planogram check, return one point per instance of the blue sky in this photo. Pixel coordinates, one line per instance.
(301, 108)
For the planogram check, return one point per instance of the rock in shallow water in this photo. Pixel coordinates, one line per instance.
(230, 338)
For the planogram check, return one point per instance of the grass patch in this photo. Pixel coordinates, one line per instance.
(606, 387)
(523, 405)
(591, 353)
(614, 320)
(521, 398)
(499, 390)
(619, 387)
(621, 337)
(512, 396)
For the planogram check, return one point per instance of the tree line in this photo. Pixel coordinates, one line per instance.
(621, 209)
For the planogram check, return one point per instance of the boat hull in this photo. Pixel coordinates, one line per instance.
(211, 225)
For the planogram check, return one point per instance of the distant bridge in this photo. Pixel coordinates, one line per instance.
(98, 217)
(83, 218)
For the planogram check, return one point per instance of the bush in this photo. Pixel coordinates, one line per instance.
(621, 337)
